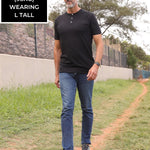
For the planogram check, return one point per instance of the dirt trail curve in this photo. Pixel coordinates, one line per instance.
(98, 142)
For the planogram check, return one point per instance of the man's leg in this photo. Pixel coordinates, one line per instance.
(68, 91)
(85, 89)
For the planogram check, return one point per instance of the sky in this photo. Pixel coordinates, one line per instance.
(142, 36)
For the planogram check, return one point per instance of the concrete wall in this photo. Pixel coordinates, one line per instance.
(24, 71)
(109, 72)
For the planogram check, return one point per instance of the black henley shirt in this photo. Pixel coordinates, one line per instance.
(75, 32)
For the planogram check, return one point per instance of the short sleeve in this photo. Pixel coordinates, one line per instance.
(56, 31)
(95, 29)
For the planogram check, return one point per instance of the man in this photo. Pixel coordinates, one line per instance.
(75, 67)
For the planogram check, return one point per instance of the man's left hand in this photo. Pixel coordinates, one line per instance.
(92, 74)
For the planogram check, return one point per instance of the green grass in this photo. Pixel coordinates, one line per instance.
(135, 135)
(30, 117)
(26, 112)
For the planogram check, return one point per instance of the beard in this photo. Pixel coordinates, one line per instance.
(71, 5)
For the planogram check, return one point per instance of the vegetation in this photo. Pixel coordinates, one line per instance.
(142, 60)
(5, 27)
(56, 11)
(137, 58)
(117, 16)
(30, 30)
(131, 61)
(135, 134)
(115, 13)
(30, 117)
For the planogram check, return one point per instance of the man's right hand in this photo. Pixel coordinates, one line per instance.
(57, 81)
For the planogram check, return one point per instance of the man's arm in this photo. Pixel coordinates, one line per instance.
(92, 74)
(57, 54)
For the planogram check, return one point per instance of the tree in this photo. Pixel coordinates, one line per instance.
(145, 65)
(136, 50)
(114, 13)
(53, 15)
(142, 60)
(131, 61)
(112, 39)
(148, 58)
(56, 11)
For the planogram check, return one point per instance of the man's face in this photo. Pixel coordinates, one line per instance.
(70, 3)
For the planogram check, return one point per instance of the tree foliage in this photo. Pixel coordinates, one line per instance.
(115, 13)
(143, 60)
(117, 17)
(136, 55)
(110, 13)
(132, 60)
(137, 51)
(56, 11)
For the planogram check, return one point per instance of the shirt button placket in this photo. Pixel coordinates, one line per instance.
(71, 21)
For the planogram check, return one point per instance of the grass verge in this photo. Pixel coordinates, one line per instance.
(30, 117)
(135, 135)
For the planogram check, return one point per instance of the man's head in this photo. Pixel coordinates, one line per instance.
(70, 3)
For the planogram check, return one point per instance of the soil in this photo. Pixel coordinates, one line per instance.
(99, 142)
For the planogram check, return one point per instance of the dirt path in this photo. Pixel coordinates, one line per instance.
(98, 142)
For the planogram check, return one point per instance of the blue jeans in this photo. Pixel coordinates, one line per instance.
(69, 82)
